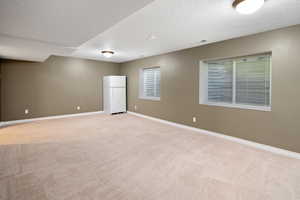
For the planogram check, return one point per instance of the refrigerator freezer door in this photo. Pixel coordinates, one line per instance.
(117, 81)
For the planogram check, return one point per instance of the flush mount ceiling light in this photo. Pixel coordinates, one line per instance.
(107, 54)
(247, 7)
(152, 37)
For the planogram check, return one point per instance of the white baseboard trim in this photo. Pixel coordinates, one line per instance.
(7, 123)
(268, 148)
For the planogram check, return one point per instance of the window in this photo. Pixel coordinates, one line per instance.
(150, 83)
(241, 82)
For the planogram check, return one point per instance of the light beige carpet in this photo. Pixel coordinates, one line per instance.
(124, 157)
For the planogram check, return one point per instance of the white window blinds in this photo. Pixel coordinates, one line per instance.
(220, 81)
(151, 82)
(241, 81)
(253, 81)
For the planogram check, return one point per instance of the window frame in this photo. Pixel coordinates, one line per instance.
(141, 84)
(203, 82)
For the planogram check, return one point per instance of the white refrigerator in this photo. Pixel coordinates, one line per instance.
(114, 94)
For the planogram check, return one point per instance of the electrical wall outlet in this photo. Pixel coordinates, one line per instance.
(135, 107)
(78, 107)
(26, 111)
(194, 119)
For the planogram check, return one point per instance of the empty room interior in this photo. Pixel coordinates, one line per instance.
(150, 100)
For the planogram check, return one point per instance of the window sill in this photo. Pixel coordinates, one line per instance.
(150, 98)
(241, 106)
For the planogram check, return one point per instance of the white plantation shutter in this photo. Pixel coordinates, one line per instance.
(253, 81)
(151, 82)
(220, 81)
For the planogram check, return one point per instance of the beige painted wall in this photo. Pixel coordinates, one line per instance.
(54, 87)
(180, 89)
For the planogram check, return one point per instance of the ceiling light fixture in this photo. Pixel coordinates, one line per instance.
(247, 7)
(152, 37)
(107, 54)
